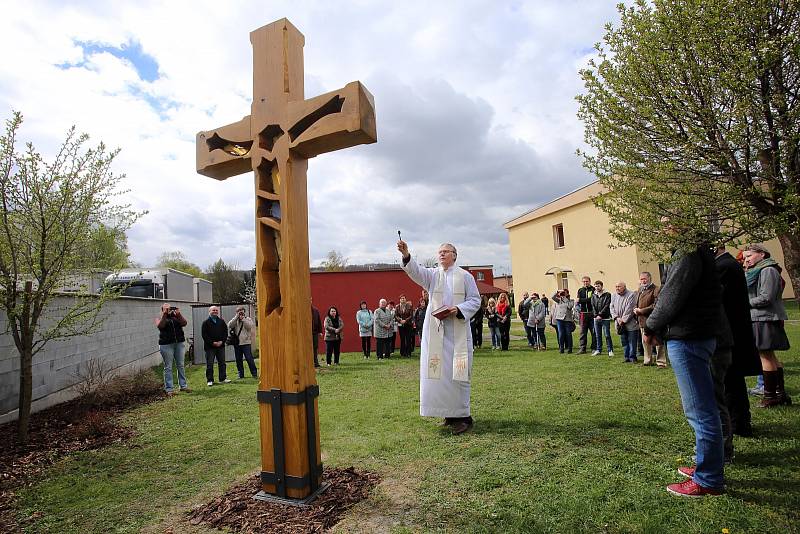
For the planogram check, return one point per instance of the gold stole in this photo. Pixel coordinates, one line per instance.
(436, 335)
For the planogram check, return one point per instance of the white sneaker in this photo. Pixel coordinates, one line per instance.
(595, 353)
(227, 381)
(611, 353)
(209, 384)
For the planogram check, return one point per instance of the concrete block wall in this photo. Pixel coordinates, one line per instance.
(127, 342)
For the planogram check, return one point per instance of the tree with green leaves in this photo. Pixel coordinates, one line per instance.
(692, 109)
(109, 248)
(51, 212)
(227, 284)
(335, 261)
(177, 260)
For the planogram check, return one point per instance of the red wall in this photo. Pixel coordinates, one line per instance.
(346, 289)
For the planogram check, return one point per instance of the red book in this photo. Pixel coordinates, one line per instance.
(441, 313)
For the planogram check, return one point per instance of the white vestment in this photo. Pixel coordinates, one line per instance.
(443, 396)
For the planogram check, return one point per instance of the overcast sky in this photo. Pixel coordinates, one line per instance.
(474, 101)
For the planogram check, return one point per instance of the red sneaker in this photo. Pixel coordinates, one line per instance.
(689, 488)
(688, 472)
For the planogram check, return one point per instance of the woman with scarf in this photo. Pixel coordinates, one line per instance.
(765, 289)
(333, 335)
(504, 320)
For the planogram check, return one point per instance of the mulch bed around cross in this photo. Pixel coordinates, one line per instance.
(238, 511)
(57, 432)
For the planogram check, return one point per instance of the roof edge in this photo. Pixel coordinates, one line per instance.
(532, 214)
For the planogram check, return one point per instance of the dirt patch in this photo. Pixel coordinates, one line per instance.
(393, 505)
(237, 511)
(73, 426)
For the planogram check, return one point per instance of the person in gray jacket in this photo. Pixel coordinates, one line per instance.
(536, 322)
(383, 324)
(245, 329)
(765, 289)
(565, 323)
(364, 320)
(623, 301)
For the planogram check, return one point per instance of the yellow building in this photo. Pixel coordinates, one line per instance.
(556, 244)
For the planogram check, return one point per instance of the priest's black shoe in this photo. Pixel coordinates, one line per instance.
(461, 427)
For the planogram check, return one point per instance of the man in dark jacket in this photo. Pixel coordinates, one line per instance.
(687, 316)
(586, 315)
(476, 324)
(745, 359)
(404, 315)
(316, 331)
(601, 308)
(522, 313)
(215, 330)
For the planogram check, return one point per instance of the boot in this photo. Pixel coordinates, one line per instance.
(780, 392)
(770, 390)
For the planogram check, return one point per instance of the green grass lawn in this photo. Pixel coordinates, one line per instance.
(560, 444)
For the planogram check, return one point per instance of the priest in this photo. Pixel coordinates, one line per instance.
(446, 351)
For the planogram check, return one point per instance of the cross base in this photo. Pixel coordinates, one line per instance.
(277, 399)
(301, 503)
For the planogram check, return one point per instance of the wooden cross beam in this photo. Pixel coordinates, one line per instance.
(282, 131)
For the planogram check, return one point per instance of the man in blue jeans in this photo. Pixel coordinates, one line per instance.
(687, 316)
(601, 308)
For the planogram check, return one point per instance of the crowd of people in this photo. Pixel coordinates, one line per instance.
(239, 332)
(592, 315)
(716, 319)
(386, 324)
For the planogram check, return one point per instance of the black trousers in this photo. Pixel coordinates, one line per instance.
(477, 334)
(587, 325)
(720, 363)
(217, 353)
(382, 348)
(505, 329)
(332, 348)
(738, 403)
(315, 343)
(392, 339)
(406, 340)
(366, 345)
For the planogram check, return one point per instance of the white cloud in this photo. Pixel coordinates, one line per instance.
(475, 107)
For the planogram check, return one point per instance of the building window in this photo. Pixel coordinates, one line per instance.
(558, 235)
(563, 281)
(480, 276)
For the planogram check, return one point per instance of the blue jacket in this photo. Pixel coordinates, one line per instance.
(364, 320)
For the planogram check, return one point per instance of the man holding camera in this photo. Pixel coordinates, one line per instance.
(242, 332)
(170, 344)
(214, 332)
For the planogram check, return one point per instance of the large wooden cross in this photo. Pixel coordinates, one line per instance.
(282, 131)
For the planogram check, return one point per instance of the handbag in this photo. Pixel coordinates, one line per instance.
(233, 338)
(620, 328)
